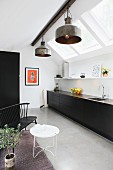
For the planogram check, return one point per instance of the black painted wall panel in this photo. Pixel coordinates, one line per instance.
(9, 78)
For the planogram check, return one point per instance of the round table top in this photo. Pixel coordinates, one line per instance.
(44, 131)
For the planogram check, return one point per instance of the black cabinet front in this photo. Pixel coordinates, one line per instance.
(94, 115)
(107, 121)
(53, 100)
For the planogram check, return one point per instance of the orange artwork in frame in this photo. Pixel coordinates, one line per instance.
(31, 76)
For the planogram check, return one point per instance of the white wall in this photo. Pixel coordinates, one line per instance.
(47, 71)
(90, 86)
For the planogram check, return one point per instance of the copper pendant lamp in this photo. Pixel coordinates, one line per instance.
(42, 50)
(68, 33)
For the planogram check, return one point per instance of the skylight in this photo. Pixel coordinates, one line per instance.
(103, 14)
(88, 42)
(96, 32)
(65, 51)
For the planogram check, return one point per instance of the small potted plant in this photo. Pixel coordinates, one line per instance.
(9, 138)
(105, 71)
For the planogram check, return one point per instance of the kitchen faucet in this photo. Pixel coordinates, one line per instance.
(103, 93)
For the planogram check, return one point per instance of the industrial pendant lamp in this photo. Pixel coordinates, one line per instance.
(42, 50)
(68, 33)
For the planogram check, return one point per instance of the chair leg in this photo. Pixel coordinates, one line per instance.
(13, 150)
(25, 128)
(35, 122)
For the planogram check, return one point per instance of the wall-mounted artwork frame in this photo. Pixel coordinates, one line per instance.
(31, 76)
(96, 71)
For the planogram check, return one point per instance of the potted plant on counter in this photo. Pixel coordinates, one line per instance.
(9, 138)
(105, 71)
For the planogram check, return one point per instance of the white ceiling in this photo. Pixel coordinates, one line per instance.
(22, 20)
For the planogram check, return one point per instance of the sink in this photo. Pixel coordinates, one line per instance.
(97, 98)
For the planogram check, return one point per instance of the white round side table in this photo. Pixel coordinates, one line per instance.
(44, 131)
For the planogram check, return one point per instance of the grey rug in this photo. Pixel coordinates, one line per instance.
(24, 157)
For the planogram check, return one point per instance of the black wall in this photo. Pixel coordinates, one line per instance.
(9, 78)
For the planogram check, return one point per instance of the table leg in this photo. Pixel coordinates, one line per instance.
(55, 137)
(34, 146)
(54, 146)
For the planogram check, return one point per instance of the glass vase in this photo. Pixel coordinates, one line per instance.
(105, 74)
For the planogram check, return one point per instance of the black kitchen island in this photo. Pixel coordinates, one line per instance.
(95, 115)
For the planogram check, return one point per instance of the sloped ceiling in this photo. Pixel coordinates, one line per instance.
(22, 20)
(80, 10)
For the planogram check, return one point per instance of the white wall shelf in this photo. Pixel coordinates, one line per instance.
(70, 78)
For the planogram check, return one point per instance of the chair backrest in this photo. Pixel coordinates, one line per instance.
(23, 109)
(11, 115)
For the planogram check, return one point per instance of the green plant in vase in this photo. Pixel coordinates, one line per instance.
(9, 138)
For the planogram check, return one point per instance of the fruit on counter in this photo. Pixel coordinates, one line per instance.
(72, 90)
(76, 90)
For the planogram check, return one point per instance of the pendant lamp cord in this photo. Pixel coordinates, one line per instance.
(68, 13)
(42, 38)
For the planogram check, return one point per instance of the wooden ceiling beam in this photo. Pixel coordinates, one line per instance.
(51, 22)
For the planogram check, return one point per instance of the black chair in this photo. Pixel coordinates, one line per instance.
(15, 114)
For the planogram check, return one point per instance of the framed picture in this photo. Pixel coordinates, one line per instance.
(31, 76)
(96, 72)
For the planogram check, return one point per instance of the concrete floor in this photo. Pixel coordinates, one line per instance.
(78, 148)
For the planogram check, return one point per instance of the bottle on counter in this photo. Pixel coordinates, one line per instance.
(57, 87)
